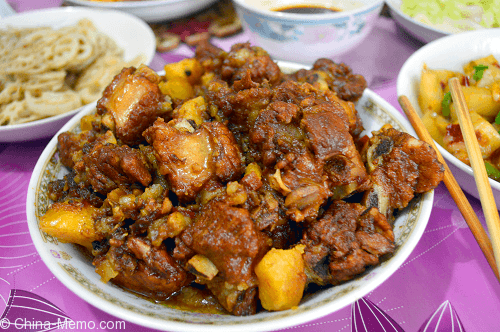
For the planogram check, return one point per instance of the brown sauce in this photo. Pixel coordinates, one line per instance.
(194, 298)
(307, 9)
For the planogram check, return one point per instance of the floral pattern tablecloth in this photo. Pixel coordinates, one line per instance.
(446, 269)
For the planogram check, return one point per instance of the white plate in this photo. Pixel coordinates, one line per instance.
(451, 52)
(130, 33)
(78, 274)
(151, 10)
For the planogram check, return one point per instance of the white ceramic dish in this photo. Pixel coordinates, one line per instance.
(151, 10)
(419, 30)
(430, 32)
(5, 9)
(130, 33)
(451, 52)
(77, 272)
(303, 38)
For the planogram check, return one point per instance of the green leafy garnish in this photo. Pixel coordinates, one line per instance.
(492, 171)
(478, 72)
(445, 104)
(497, 120)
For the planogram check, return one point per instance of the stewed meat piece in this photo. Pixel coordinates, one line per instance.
(70, 144)
(237, 299)
(227, 236)
(66, 189)
(227, 156)
(107, 166)
(280, 144)
(400, 166)
(183, 154)
(328, 136)
(134, 101)
(190, 157)
(143, 268)
(337, 77)
(306, 95)
(346, 240)
(210, 56)
(238, 107)
(242, 58)
(304, 185)
(276, 132)
(306, 139)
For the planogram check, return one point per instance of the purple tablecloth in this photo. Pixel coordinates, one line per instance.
(446, 265)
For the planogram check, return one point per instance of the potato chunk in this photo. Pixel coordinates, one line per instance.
(487, 136)
(70, 222)
(436, 125)
(193, 109)
(190, 70)
(480, 101)
(431, 88)
(281, 278)
(177, 88)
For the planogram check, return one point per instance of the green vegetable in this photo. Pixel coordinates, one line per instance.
(453, 15)
(492, 171)
(497, 120)
(479, 71)
(445, 104)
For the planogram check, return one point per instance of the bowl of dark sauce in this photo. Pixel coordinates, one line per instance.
(307, 9)
(305, 30)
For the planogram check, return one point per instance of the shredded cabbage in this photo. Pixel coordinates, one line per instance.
(454, 15)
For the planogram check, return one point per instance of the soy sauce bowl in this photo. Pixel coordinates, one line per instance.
(305, 37)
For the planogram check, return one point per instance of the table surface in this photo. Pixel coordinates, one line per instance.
(446, 266)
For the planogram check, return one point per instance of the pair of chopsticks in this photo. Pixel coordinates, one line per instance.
(490, 249)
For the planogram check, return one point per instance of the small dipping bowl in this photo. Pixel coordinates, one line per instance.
(305, 37)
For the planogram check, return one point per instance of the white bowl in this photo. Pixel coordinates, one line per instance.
(417, 29)
(451, 52)
(130, 33)
(427, 32)
(78, 274)
(303, 38)
(151, 10)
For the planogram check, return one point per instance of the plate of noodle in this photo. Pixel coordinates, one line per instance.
(55, 61)
(198, 187)
(150, 10)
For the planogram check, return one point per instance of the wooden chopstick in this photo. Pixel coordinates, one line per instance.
(477, 163)
(456, 192)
